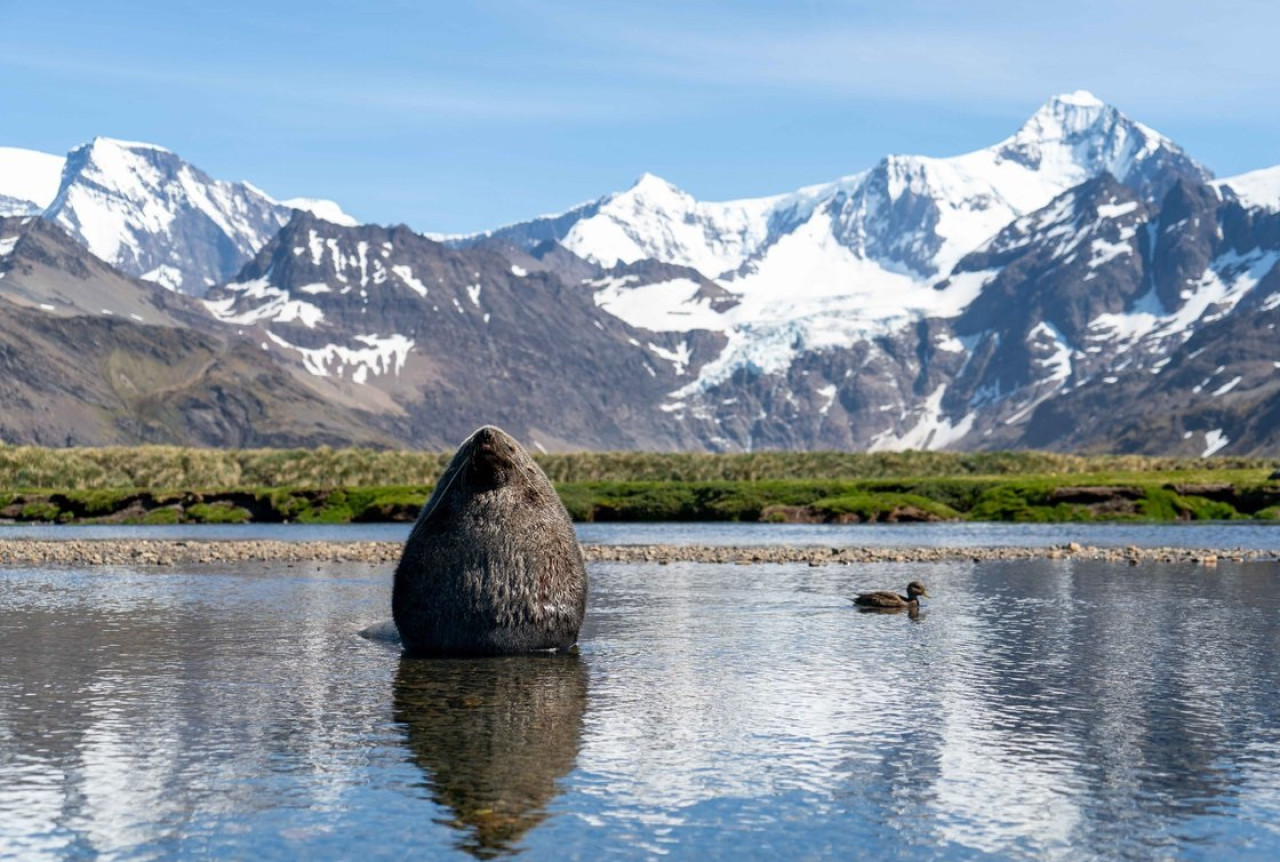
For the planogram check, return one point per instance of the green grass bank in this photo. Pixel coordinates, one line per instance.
(169, 485)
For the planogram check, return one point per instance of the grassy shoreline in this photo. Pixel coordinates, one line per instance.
(173, 467)
(1187, 495)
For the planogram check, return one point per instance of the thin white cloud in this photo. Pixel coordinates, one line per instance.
(1200, 58)
(424, 99)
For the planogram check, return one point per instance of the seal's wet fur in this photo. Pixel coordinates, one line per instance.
(492, 565)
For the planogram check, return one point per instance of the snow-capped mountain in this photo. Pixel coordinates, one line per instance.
(28, 181)
(861, 256)
(922, 303)
(95, 357)
(440, 339)
(1098, 300)
(1083, 284)
(908, 215)
(1259, 189)
(148, 212)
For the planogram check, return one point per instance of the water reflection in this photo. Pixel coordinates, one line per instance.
(493, 737)
(1042, 710)
(911, 611)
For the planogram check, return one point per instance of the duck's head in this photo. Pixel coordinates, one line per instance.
(915, 590)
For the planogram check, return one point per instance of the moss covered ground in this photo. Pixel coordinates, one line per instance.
(1200, 493)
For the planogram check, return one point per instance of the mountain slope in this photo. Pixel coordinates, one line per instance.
(104, 381)
(862, 256)
(28, 181)
(1080, 311)
(441, 340)
(146, 211)
(1082, 284)
(919, 212)
(41, 267)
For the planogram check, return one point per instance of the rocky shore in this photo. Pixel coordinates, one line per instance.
(150, 552)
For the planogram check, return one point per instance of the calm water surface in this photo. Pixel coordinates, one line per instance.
(1225, 534)
(1037, 710)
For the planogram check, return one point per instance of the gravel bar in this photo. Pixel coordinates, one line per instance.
(155, 552)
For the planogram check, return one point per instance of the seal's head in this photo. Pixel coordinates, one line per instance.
(491, 462)
(491, 458)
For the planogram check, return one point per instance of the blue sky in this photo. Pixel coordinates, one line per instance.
(462, 116)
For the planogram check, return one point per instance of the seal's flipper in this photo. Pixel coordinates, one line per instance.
(384, 631)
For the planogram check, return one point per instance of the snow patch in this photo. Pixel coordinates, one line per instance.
(165, 276)
(380, 355)
(1213, 441)
(519, 271)
(679, 357)
(272, 304)
(932, 430)
(405, 274)
(1112, 211)
(330, 211)
(1256, 188)
(1104, 251)
(1227, 387)
(828, 394)
(666, 306)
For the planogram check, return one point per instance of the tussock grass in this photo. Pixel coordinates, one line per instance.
(159, 484)
(181, 467)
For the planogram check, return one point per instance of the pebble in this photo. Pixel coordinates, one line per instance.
(157, 552)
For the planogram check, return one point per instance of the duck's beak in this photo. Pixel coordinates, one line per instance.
(925, 593)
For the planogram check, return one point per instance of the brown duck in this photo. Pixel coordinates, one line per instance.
(887, 599)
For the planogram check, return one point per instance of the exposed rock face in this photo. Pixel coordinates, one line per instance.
(44, 268)
(446, 339)
(153, 215)
(1081, 284)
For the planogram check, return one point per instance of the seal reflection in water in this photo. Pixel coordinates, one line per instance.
(492, 565)
(493, 736)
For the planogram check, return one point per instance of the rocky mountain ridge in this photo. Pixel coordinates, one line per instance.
(1083, 284)
(148, 212)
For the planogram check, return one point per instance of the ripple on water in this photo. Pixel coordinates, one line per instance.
(1032, 709)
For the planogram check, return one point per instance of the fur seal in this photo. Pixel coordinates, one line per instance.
(492, 565)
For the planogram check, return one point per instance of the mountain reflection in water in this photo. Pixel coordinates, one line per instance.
(1043, 709)
(493, 737)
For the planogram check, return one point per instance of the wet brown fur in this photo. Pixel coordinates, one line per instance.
(492, 565)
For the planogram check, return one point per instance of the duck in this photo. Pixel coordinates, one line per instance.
(887, 599)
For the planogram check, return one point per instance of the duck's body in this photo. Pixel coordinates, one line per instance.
(888, 599)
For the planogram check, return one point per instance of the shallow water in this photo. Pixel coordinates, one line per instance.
(1046, 709)
(1224, 534)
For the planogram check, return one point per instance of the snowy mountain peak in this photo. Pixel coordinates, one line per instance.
(28, 180)
(103, 142)
(1080, 99)
(328, 210)
(1259, 189)
(652, 186)
(1067, 114)
(1076, 136)
(143, 209)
